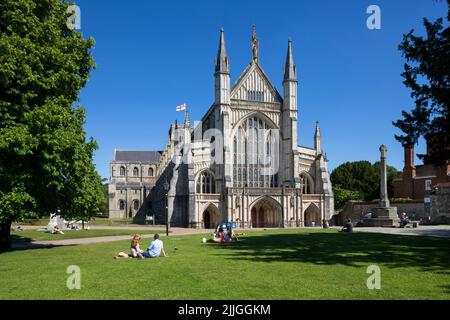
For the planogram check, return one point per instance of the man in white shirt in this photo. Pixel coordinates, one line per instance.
(155, 248)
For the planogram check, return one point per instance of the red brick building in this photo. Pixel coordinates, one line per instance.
(416, 182)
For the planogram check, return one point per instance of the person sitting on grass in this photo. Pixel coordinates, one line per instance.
(230, 234)
(155, 248)
(348, 227)
(218, 238)
(325, 224)
(136, 252)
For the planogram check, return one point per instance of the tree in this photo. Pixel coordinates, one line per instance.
(356, 176)
(392, 173)
(427, 74)
(104, 206)
(342, 196)
(363, 178)
(45, 158)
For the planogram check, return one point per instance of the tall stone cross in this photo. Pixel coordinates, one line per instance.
(384, 200)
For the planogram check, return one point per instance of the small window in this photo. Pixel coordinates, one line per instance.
(122, 170)
(122, 205)
(255, 95)
(135, 172)
(136, 204)
(151, 172)
(427, 185)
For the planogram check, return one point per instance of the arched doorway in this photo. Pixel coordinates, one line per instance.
(312, 216)
(266, 213)
(210, 217)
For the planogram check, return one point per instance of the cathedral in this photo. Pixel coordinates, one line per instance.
(240, 163)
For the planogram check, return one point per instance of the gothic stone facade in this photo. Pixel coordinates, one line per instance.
(261, 177)
(133, 175)
(440, 203)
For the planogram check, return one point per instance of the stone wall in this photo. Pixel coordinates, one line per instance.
(440, 205)
(355, 210)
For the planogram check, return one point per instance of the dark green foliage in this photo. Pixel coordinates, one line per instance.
(45, 157)
(427, 74)
(361, 177)
(104, 205)
(342, 196)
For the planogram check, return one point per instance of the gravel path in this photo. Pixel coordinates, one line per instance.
(431, 231)
(71, 242)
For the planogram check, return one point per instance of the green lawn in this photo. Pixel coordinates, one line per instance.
(276, 264)
(34, 235)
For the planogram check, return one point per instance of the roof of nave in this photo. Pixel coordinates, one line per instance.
(137, 155)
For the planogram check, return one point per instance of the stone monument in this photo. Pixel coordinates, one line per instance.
(384, 215)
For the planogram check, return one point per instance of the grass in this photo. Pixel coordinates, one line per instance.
(96, 221)
(274, 264)
(34, 235)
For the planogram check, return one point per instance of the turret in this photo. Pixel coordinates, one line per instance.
(222, 105)
(317, 140)
(222, 73)
(289, 120)
(186, 120)
(290, 72)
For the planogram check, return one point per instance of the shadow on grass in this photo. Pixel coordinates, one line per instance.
(18, 238)
(21, 246)
(333, 248)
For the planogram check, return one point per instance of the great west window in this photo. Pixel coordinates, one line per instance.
(255, 155)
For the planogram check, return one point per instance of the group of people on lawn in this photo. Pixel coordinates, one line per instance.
(154, 250)
(348, 226)
(156, 247)
(222, 236)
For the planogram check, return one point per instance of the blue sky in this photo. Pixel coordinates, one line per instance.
(154, 55)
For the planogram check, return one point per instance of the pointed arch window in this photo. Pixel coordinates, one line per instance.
(121, 205)
(306, 183)
(122, 171)
(254, 152)
(206, 183)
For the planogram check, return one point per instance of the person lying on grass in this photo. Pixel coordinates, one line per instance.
(218, 238)
(57, 230)
(222, 237)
